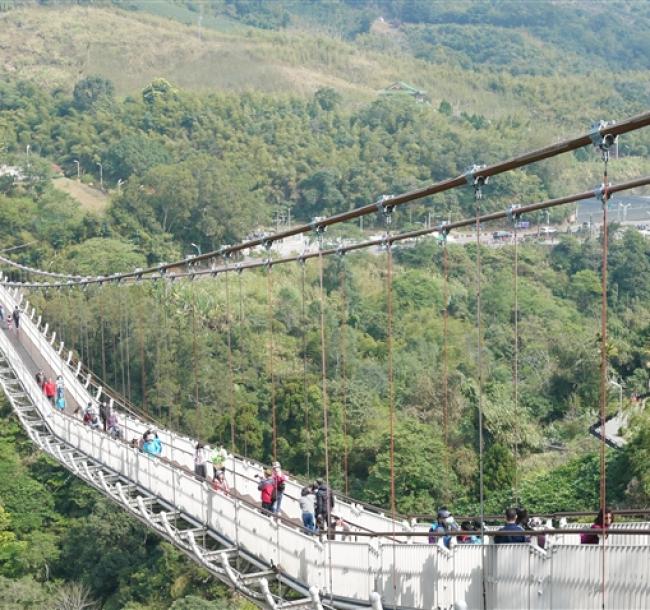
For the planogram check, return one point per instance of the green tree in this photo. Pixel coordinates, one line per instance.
(498, 468)
(134, 154)
(92, 91)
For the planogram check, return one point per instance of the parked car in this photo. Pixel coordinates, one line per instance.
(501, 235)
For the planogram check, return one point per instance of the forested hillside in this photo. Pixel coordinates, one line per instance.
(206, 121)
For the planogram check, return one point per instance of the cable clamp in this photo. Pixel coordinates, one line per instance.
(603, 194)
(385, 208)
(513, 213)
(444, 231)
(267, 243)
(602, 141)
(474, 177)
(341, 251)
(238, 267)
(302, 258)
(386, 242)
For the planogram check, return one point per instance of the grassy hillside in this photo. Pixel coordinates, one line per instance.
(57, 46)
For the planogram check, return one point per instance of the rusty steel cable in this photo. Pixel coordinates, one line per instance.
(391, 396)
(631, 124)
(231, 374)
(325, 402)
(305, 398)
(271, 372)
(199, 430)
(344, 374)
(603, 371)
(515, 360)
(479, 381)
(466, 222)
(445, 363)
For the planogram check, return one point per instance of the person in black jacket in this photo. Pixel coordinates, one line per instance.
(324, 501)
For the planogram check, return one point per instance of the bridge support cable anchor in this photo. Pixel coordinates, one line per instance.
(603, 141)
(474, 177)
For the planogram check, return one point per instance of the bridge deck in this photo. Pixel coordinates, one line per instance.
(212, 527)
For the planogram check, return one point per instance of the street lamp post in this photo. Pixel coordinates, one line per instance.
(76, 162)
(198, 248)
(101, 175)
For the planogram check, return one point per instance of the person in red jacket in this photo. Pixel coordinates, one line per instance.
(603, 521)
(50, 390)
(267, 487)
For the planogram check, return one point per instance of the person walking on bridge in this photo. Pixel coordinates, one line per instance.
(279, 481)
(266, 487)
(49, 389)
(324, 502)
(200, 460)
(16, 317)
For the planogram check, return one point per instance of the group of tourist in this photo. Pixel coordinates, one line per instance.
(271, 487)
(54, 390)
(12, 319)
(316, 504)
(519, 528)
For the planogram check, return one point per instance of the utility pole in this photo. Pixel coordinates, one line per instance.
(101, 175)
(76, 161)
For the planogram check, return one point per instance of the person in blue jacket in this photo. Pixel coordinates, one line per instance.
(152, 444)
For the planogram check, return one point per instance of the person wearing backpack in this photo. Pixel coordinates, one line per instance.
(324, 502)
(267, 488)
(279, 484)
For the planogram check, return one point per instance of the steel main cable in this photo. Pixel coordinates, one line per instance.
(600, 131)
(466, 222)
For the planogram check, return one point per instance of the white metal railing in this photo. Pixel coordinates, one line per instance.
(411, 576)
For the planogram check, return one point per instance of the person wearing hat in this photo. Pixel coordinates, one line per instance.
(267, 488)
(445, 523)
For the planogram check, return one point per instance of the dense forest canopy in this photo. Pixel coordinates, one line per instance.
(212, 120)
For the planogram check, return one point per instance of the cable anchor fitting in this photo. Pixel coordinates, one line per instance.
(443, 232)
(474, 177)
(513, 213)
(385, 208)
(603, 141)
(603, 194)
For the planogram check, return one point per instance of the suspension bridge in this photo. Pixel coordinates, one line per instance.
(384, 560)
